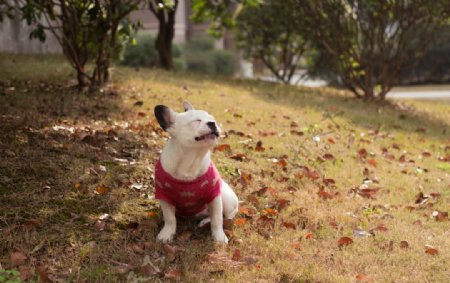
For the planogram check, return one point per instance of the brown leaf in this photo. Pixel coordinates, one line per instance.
(344, 241)
(236, 255)
(43, 275)
(100, 225)
(173, 274)
(440, 215)
(33, 224)
(184, 236)
(362, 153)
(404, 245)
(148, 268)
(239, 157)
(309, 236)
(360, 277)
(135, 247)
(426, 154)
(259, 147)
(379, 227)
(282, 162)
(240, 221)
(101, 190)
(289, 225)
(325, 195)
(328, 156)
(372, 162)
(170, 252)
(368, 193)
(431, 250)
(18, 258)
(281, 204)
(223, 147)
(245, 178)
(25, 273)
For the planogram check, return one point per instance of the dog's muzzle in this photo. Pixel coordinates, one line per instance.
(211, 135)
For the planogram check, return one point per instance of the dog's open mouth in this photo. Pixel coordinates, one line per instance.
(212, 135)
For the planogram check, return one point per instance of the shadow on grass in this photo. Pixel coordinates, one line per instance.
(67, 159)
(385, 116)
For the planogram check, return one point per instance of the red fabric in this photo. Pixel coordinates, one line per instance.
(189, 197)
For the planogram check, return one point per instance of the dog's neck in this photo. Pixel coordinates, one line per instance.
(184, 163)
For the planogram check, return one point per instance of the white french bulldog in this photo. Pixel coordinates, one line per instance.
(186, 181)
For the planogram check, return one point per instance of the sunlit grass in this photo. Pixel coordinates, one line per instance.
(298, 125)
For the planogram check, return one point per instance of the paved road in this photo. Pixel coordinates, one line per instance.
(422, 92)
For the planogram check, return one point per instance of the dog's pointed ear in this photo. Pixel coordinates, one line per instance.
(187, 106)
(165, 116)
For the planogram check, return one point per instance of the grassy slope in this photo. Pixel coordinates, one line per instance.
(71, 246)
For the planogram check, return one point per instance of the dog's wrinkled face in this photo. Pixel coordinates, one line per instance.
(192, 128)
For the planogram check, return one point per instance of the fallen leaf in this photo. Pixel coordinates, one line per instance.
(259, 147)
(431, 250)
(283, 163)
(344, 241)
(101, 190)
(148, 268)
(100, 225)
(309, 236)
(184, 236)
(151, 214)
(239, 157)
(362, 153)
(296, 246)
(18, 258)
(289, 225)
(328, 156)
(223, 147)
(33, 224)
(404, 245)
(372, 162)
(240, 221)
(325, 195)
(245, 178)
(173, 274)
(25, 273)
(360, 277)
(170, 252)
(43, 275)
(439, 215)
(236, 255)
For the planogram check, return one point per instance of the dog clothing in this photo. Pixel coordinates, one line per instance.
(189, 197)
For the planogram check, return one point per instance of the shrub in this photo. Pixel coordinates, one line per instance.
(144, 53)
(201, 57)
(223, 62)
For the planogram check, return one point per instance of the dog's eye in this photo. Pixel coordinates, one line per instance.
(198, 121)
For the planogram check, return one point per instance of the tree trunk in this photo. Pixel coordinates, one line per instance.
(164, 45)
(166, 32)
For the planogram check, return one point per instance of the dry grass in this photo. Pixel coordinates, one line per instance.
(48, 178)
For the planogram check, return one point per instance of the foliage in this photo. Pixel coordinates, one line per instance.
(9, 276)
(270, 32)
(367, 42)
(142, 53)
(201, 57)
(88, 32)
(6, 10)
(221, 14)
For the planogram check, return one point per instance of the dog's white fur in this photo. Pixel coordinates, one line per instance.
(186, 158)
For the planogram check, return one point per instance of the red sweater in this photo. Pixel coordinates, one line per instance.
(189, 197)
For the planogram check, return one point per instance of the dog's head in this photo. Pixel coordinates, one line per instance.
(192, 128)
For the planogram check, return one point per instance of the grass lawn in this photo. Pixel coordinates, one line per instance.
(332, 189)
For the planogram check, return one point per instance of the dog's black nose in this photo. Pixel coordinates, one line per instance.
(212, 126)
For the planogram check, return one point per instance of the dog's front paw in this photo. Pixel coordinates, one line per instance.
(220, 237)
(166, 235)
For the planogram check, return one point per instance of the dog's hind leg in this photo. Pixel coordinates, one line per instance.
(229, 201)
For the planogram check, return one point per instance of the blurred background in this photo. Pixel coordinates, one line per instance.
(365, 46)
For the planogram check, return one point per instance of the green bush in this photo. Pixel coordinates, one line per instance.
(201, 57)
(144, 53)
(223, 62)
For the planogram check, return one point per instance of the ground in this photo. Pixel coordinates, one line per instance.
(332, 189)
